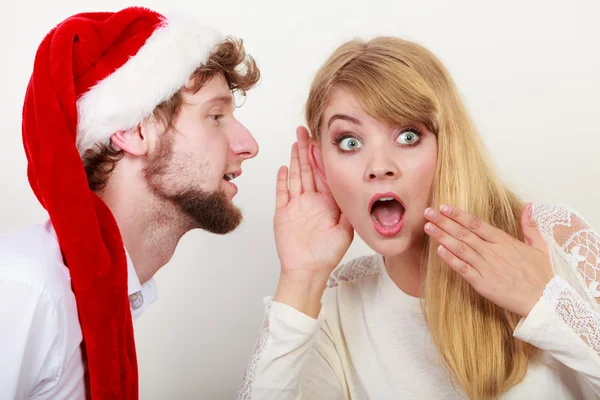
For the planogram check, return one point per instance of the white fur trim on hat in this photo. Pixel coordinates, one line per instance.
(161, 67)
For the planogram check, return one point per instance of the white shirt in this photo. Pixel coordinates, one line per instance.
(371, 340)
(40, 334)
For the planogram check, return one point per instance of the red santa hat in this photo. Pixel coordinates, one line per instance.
(95, 74)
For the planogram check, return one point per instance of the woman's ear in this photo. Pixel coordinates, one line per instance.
(133, 141)
(316, 160)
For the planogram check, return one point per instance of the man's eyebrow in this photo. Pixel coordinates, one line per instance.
(224, 99)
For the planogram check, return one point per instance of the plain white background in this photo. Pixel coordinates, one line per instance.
(529, 73)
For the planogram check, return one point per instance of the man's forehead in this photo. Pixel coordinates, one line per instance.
(214, 92)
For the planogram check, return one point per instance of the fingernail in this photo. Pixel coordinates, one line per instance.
(430, 212)
(532, 221)
(429, 226)
(441, 249)
(445, 209)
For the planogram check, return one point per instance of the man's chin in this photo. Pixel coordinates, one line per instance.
(212, 212)
(223, 226)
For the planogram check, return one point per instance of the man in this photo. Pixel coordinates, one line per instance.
(131, 141)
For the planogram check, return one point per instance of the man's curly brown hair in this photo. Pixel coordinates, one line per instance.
(229, 59)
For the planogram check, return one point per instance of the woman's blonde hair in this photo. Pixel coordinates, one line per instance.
(399, 82)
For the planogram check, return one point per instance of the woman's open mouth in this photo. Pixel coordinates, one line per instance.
(387, 214)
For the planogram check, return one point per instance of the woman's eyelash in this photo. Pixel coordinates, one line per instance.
(411, 129)
(345, 135)
(418, 137)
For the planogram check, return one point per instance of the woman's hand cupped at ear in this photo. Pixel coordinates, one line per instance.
(311, 233)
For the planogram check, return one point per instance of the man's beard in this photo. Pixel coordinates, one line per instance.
(211, 211)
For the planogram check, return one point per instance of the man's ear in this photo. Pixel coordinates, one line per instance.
(316, 160)
(134, 141)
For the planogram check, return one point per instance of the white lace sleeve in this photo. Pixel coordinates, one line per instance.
(294, 359)
(578, 241)
(296, 356)
(245, 389)
(575, 312)
(580, 246)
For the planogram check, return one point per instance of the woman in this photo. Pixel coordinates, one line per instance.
(471, 294)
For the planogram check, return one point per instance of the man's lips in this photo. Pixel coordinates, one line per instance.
(232, 175)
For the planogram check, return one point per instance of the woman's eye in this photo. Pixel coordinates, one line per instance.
(350, 144)
(216, 117)
(409, 137)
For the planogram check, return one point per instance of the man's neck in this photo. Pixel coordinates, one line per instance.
(149, 230)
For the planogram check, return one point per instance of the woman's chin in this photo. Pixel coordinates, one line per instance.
(386, 246)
